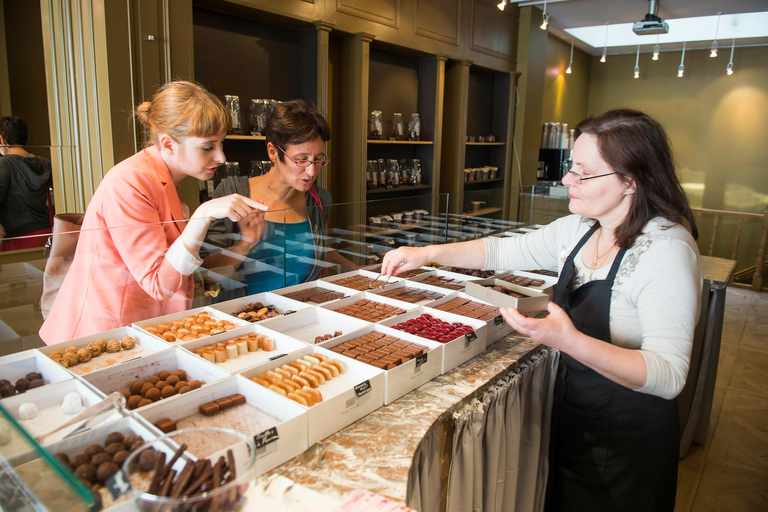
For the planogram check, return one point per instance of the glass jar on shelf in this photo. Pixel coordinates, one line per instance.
(416, 171)
(405, 168)
(393, 173)
(414, 127)
(381, 167)
(398, 128)
(258, 116)
(232, 103)
(372, 175)
(376, 126)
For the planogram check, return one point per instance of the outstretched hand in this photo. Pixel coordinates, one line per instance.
(233, 207)
(402, 259)
(556, 330)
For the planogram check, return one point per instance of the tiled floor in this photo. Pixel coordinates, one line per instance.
(730, 472)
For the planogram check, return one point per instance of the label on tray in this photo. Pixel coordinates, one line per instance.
(498, 320)
(117, 484)
(420, 360)
(278, 356)
(265, 438)
(363, 388)
(471, 336)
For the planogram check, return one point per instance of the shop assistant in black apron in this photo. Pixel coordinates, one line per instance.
(612, 448)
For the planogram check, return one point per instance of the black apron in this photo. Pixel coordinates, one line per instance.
(611, 448)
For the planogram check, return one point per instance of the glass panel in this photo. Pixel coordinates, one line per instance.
(30, 479)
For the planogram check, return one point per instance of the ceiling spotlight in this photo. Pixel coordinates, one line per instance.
(502, 4)
(713, 50)
(570, 63)
(637, 63)
(544, 17)
(681, 69)
(729, 69)
(605, 45)
(656, 50)
(602, 59)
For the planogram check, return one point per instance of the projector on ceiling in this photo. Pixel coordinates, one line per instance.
(650, 27)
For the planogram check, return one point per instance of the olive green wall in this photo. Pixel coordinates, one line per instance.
(716, 123)
(565, 95)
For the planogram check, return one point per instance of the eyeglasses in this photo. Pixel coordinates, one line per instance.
(306, 163)
(579, 179)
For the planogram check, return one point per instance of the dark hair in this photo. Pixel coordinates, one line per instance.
(183, 109)
(14, 130)
(637, 149)
(295, 122)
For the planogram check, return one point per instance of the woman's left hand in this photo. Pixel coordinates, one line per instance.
(554, 331)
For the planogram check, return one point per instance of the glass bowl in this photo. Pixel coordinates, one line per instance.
(185, 492)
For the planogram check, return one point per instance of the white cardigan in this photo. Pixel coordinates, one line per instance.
(655, 299)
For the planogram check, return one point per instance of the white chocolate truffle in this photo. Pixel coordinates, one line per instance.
(27, 411)
(72, 403)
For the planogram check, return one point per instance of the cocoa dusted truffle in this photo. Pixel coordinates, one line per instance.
(83, 355)
(127, 343)
(21, 385)
(93, 450)
(113, 448)
(86, 472)
(114, 437)
(34, 375)
(79, 459)
(130, 440)
(147, 459)
(100, 458)
(113, 346)
(105, 471)
(120, 457)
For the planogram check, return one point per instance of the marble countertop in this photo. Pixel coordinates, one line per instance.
(375, 453)
(717, 271)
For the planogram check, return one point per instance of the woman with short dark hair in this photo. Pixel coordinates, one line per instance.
(24, 182)
(623, 314)
(290, 237)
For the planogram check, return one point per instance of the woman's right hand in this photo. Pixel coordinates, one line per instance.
(233, 207)
(402, 259)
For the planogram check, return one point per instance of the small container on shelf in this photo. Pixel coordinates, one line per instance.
(259, 110)
(393, 173)
(372, 175)
(376, 126)
(414, 127)
(398, 127)
(416, 171)
(232, 103)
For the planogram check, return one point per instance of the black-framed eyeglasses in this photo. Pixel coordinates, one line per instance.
(579, 179)
(322, 162)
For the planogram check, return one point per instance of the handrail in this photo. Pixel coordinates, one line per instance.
(757, 279)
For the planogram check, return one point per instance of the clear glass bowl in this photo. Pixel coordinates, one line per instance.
(225, 445)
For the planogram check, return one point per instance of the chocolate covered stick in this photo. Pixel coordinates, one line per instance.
(175, 457)
(217, 472)
(204, 476)
(232, 470)
(159, 465)
(166, 489)
(183, 479)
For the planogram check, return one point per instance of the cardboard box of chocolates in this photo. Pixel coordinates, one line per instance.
(271, 305)
(369, 307)
(17, 366)
(189, 325)
(528, 300)
(314, 325)
(404, 371)
(346, 398)
(314, 292)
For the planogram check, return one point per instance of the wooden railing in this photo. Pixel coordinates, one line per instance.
(757, 278)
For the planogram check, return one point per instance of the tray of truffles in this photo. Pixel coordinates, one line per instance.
(470, 307)
(369, 307)
(190, 325)
(361, 280)
(412, 292)
(235, 403)
(313, 292)
(462, 338)
(96, 455)
(262, 306)
(314, 325)
(91, 353)
(28, 370)
(444, 279)
(245, 350)
(506, 295)
(408, 361)
(353, 390)
(43, 410)
(157, 377)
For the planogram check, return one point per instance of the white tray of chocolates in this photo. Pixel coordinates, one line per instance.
(361, 280)
(243, 348)
(15, 368)
(468, 306)
(104, 350)
(314, 325)
(261, 306)
(279, 427)
(189, 325)
(314, 292)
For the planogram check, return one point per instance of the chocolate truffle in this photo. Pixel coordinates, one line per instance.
(172, 380)
(127, 343)
(114, 437)
(133, 402)
(144, 402)
(100, 458)
(34, 375)
(83, 355)
(164, 374)
(160, 384)
(153, 380)
(136, 387)
(153, 394)
(147, 459)
(63, 457)
(120, 457)
(94, 449)
(80, 459)
(136, 445)
(185, 389)
(105, 471)
(35, 383)
(195, 384)
(86, 472)
(113, 346)
(146, 387)
(112, 449)
(130, 440)
(168, 392)
(180, 384)
(21, 385)
(7, 390)
(181, 374)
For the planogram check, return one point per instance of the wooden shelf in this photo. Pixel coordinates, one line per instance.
(480, 182)
(480, 212)
(397, 189)
(414, 142)
(485, 143)
(245, 137)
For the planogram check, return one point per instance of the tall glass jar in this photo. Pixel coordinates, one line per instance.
(372, 175)
(416, 171)
(414, 127)
(258, 116)
(233, 105)
(398, 129)
(393, 173)
(376, 126)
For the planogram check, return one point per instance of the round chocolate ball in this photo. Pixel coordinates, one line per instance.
(168, 392)
(153, 394)
(105, 471)
(181, 374)
(7, 390)
(113, 448)
(120, 457)
(172, 380)
(185, 389)
(21, 385)
(34, 375)
(63, 457)
(136, 445)
(3, 382)
(133, 402)
(136, 387)
(79, 459)
(100, 458)
(161, 384)
(128, 442)
(195, 384)
(86, 472)
(146, 387)
(180, 384)
(35, 383)
(144, 402)
(94, 449)
(147, 459)
(114, 437)
(153, 380)
(164, 375)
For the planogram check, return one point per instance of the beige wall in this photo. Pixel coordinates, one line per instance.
(717, 123)
(565, 95)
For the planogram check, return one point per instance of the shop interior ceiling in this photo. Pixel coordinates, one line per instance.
(566, 14)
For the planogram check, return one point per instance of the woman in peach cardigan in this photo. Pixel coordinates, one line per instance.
(136, 252)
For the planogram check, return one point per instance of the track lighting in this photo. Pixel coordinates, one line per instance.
(570, 63)
(681, 69)
(545, 17)
(502, 4)
(605, 45)
(713, 50)
(637, 63)
(656, 50)
(729, 68)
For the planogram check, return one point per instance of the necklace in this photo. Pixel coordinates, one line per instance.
(598, 257)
